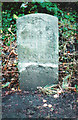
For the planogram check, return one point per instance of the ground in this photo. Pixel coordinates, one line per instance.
(33, 104)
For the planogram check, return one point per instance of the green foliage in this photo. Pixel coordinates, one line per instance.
(66, 23)
(35, 7)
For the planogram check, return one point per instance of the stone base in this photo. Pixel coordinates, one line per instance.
(33, 76)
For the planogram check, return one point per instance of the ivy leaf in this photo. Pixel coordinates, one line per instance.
(72, 19)
(15, 16)
(65, 29)
(5, 84)
(8, 44)
(66, 16)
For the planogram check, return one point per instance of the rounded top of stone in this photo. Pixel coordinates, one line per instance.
(38, 15)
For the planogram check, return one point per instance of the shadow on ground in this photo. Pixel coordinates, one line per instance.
(35, 105)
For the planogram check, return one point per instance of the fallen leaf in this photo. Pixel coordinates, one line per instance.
(44, 100)
(59, 91)
(12, 79)
(5, 67)
(19, 89)
(6, 93)
(65, 82)
(49, 105)
(56, 96)
(1, 31)
(45, 105)
(52, 109)
(15, 61)
(13, 89)
(47, 117)
(15, 16)
(5, 85)
(75, 89)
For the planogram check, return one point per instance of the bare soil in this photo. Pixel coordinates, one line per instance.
(30, 105)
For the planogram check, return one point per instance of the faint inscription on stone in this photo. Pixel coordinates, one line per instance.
(37, 44)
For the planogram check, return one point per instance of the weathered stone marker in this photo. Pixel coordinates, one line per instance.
(37, 45)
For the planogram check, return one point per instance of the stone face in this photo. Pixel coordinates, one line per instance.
(37, 45)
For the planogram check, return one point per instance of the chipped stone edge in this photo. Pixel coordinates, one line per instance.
(23, 66)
